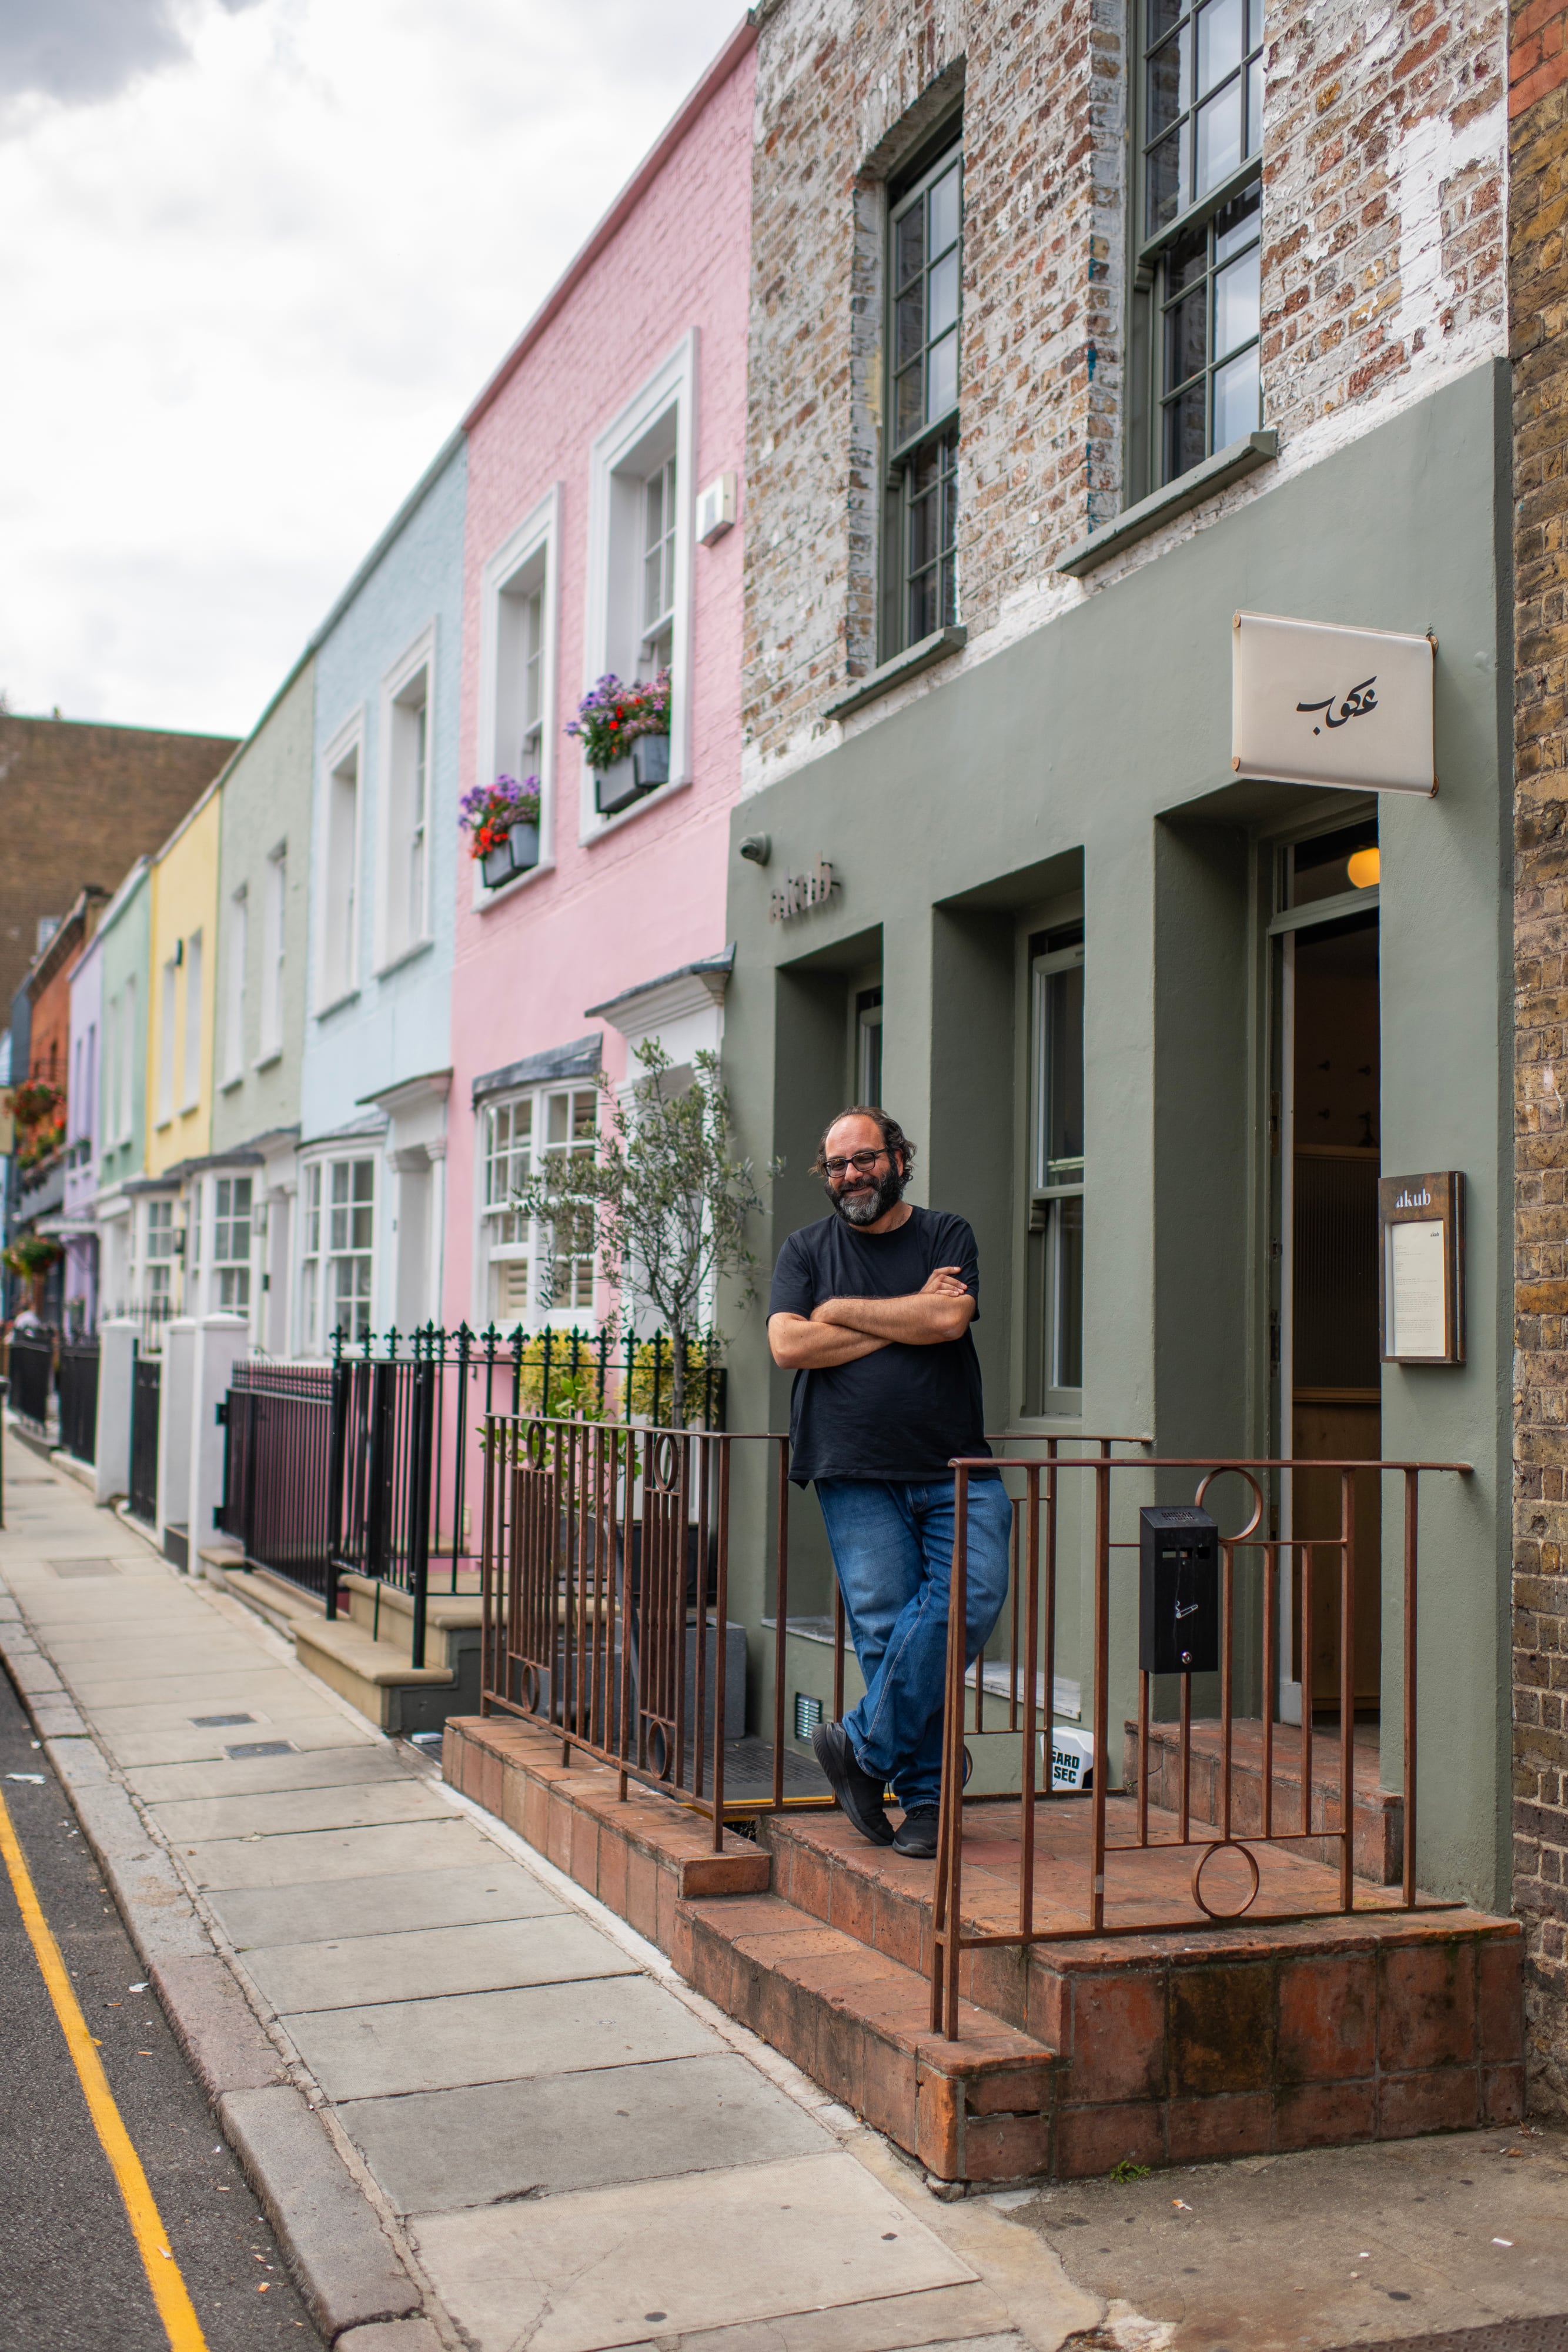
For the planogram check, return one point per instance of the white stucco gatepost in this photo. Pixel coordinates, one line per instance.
(178, 1353)
(116, 1374)
(221, 1341)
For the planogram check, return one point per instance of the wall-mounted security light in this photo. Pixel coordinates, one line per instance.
(715, 509)
(757, 847)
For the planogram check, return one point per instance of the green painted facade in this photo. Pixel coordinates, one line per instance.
(1086, 768)
(265, 817)
(125, 935)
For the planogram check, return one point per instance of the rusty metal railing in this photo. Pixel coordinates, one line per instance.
(1033, 1647)
(604, 1560)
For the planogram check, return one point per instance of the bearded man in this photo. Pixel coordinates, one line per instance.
(871, 1310)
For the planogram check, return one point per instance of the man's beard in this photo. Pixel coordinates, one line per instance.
(863, 1208)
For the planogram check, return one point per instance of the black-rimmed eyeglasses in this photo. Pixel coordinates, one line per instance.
(862, 1162)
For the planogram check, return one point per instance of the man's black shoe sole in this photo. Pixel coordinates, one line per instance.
(921, 1846)
(830, 1746)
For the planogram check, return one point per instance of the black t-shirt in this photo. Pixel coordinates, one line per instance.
(903, 1412)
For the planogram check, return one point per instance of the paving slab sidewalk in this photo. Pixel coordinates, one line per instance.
(479, 2110)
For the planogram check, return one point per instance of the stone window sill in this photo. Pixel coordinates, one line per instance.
(1161, 507)
(906, 664)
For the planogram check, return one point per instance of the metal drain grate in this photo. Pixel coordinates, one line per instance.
(262, 1747)
(214, 1722)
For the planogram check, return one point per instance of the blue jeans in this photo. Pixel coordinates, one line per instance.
(892, 1549)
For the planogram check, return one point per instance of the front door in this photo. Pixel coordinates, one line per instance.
(1329, 1136)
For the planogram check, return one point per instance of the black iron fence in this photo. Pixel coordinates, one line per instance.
(31, 1375)
(276, 1476)
(146, 1380)
(77, 1383)
(372, 1464)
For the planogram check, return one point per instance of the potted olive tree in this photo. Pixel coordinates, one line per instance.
(502, 821)
(665, 1198)
(625, 732)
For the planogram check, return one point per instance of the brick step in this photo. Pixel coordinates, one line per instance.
(1177, 2046)
(640, 1857)
(1377, 1851)
(1164, 2046)
(979, 2109)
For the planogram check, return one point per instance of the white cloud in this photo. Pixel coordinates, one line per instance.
(249, 294)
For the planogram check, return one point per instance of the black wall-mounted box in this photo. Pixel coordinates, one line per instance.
(1178, 1591)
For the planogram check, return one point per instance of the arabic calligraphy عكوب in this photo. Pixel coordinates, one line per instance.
(1356, 704)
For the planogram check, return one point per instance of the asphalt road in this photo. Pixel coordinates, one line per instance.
(71, 2279)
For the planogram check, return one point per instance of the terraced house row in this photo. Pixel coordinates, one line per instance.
(1079, 491)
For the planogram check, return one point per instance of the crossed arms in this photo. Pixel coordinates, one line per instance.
(842, 1330)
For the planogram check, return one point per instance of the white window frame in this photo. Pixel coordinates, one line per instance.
(533, 1249)
(314, 1288)
(508, 573)
(335, 986)
(224, 1267)
(169, 982)
(274, 954)
(127, 1059)
(113, 1022)
(234, 978)
(164, 1257)
(613, 629)
(190, 1039)
(399, 934)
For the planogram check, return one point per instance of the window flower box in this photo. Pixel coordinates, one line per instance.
(516, 852)
(616, 787)
(625, 732)
(502, 821)
(651, 762)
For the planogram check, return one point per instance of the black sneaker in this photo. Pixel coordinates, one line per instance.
(916, 1834)
(858, 1793)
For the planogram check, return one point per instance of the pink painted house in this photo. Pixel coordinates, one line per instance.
(603, 535)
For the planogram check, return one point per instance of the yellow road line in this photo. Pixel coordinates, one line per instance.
(174, 2306)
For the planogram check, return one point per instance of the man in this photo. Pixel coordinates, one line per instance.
(871, 1310)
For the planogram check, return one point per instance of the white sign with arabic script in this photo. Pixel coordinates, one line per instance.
(1311, 704)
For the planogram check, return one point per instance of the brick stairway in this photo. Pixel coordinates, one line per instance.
(1162, 2046)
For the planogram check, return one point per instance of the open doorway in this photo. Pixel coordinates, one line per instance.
(1329, 1136)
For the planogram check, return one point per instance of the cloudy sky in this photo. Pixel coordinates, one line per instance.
(255, 258)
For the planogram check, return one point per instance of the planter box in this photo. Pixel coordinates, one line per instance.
(650, 760)
(518, 854)
(615, 788)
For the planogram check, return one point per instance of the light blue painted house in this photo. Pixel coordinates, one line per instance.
(376, 1065)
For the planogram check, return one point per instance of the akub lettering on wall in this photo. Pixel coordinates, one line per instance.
(801, 892)
(1315, 703)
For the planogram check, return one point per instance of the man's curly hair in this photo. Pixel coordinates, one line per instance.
(892, 1136)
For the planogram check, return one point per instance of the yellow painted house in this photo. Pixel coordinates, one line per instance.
(183, 917)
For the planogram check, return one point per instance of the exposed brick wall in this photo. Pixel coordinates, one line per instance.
(1384, 192)
(1537, 278)
(1383, 170)
(840, 99)
(79, 804)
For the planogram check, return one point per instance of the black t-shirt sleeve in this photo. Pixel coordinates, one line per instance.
(794, 1290)
(958, 1248)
